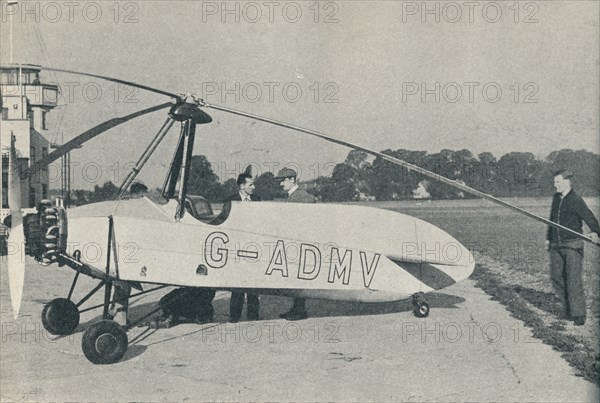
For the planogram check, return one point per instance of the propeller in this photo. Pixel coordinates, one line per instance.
(16, 239)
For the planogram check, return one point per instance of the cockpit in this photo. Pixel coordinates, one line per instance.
(199, 208)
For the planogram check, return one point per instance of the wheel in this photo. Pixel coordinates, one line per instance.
(60, 316)
(104, 342)
(421, 309)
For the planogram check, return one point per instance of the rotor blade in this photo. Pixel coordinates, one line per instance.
(406, 165)
(16, 239)
(86, 136)
(79, 73)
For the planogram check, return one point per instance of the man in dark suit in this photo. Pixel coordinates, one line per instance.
(566, 250)
(245, 184)
(288, 179)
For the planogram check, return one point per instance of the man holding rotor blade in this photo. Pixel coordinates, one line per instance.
(566, 250)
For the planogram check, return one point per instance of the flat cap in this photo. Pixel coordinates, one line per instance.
(286, 173)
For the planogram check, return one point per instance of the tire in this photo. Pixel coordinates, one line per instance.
(104, 342)
(60, 316)
(421, 309)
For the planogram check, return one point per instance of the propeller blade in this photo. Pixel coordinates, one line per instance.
(16, 239)
(16, 264)
(406, 165)
(112, 79)
(86, 136)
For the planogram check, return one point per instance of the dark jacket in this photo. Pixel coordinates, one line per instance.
(237, 197)
(300, 196)
(569, 211)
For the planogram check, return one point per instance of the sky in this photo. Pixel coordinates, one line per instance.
(486, 76)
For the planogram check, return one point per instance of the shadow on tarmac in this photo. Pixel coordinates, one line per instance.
(272, 306)
(270, 309)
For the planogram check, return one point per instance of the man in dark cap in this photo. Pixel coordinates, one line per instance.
(288, 180)
(566, 250)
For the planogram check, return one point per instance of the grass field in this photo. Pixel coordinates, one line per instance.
(512, 266)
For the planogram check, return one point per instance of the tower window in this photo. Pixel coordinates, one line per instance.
(4, 186)
(31, 196)
(44, 155)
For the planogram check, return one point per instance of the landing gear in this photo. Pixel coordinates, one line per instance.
(60, 316)
(104, 342)
(420, 307)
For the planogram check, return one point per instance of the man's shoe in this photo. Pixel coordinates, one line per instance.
(579, 320)
(294, 315)
(205, 319)
(234, 320)
(163, 322)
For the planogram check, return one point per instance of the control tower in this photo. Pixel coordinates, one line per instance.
(25, 103)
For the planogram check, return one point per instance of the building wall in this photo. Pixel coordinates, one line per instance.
(21, 130)
(40, 180)
(15, 105)
(30, 145)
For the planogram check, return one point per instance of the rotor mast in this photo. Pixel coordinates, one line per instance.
(188, 113)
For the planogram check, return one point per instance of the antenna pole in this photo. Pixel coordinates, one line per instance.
(11, 4)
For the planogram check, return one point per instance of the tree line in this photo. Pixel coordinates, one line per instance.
(515, 174)
(361, 177)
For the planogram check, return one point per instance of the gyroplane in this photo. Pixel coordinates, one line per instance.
(327, 251)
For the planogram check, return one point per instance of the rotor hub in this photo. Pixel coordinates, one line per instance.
(189, 110)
